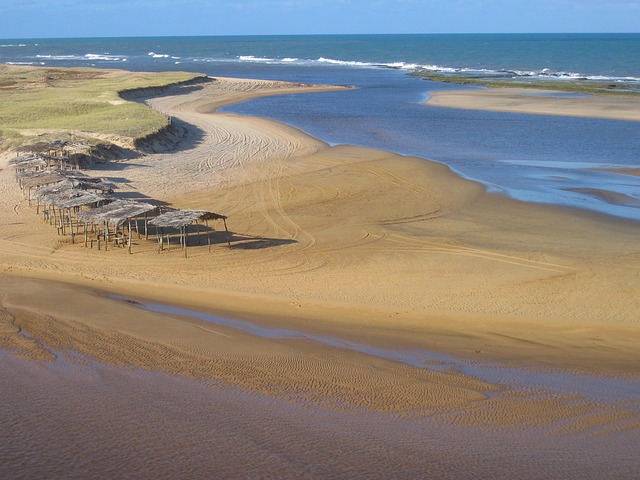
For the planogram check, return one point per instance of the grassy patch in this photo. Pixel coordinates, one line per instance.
(574, 86)
(80, 99)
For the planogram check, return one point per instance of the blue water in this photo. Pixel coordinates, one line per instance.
(529, 157)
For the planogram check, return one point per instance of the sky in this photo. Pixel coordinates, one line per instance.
(116, 18)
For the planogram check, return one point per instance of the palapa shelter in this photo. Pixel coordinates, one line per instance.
(34, 180)
(115, 215)
(62, 154)
(68, 200)
(181, 220)
(64, 193)
(28, 163)
(45, 178)
(52, 147)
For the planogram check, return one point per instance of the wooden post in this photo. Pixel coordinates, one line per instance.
(227, 230)
(129, 241)
(206, 223)
(159, 238)
(186, 240)
(70, 225)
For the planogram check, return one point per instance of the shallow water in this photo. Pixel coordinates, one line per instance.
(74, 418)
(620, 391)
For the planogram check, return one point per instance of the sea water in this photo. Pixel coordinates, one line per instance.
(537, 158)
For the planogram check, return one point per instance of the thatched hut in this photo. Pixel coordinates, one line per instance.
(111, 217)
(59, 153)
(181, 220)
(61, 200)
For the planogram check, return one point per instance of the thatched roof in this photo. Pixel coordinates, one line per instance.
(22, 158)
(116, 212)
(77, 146)
(71, 198)
(53, 188)
(55, 145)
(40, 147)
(37, 160)
(93, 184)
(33, 163)
(182, 218)
(41, 178)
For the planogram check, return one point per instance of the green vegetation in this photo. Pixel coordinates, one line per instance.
(574, 86)
(81, 99)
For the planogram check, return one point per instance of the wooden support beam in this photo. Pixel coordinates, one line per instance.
(227, 230)
(129, 240)
(70, 225)
(206, 223)
(186, 240)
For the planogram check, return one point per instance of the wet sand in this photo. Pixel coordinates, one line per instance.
(75, 418)
(622, 171)
(393, 253)
(541, 102)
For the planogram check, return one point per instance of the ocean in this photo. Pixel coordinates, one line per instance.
(535, 158)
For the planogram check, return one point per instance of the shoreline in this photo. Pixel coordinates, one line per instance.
(396, 254)
(539, 102)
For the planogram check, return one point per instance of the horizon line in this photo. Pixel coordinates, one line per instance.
(316, 35)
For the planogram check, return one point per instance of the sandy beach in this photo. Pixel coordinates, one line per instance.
(539, 102)
(390, 254)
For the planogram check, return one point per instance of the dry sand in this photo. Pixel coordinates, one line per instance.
(542, 102)
(392, 252)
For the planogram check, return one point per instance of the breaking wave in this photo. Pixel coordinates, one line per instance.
(89, 57)
(445, 70)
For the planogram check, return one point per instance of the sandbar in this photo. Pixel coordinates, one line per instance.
(539, 102)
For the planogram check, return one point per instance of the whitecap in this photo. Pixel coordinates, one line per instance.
(104, 57)
(251, 58)
(349, 63)
(60, 57)
(158, 55)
